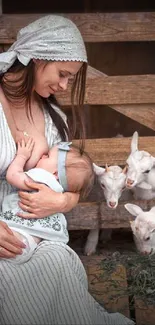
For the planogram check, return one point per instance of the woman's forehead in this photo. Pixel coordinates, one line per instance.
(69, 66)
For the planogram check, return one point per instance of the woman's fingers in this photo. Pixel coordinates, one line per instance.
(27, 215)
(4, 253)
(25, 207)
(25, 202)
(10, 249)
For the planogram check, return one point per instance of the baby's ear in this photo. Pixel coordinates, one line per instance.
(98, 170)
(134, 209)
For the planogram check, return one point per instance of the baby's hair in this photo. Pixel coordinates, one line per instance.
(82, 178)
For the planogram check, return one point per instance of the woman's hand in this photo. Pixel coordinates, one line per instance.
(10, 246)
(45, 201)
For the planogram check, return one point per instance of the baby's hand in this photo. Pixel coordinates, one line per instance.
(25, 149)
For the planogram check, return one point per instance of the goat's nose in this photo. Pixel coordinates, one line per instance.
(129, 181)
(145, 253)
(112, 204)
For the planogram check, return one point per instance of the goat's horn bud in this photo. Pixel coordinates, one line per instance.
(125, 169)
(106, 168)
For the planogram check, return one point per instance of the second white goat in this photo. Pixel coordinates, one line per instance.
(112, 180)
(141, 171)
(143, 228)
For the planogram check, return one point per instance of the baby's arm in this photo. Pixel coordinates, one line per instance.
(15, 173)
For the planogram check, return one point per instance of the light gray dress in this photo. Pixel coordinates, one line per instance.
(51, 288)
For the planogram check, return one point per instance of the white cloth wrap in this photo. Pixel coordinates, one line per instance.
(52, 228)
(52, 37)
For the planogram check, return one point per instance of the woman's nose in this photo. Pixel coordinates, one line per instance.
(63, 83)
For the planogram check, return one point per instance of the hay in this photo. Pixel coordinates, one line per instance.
(140, 275)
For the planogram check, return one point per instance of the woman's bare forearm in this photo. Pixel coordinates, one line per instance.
(70, 201)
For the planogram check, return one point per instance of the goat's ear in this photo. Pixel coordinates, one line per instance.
(125, 169)
(98, 170)
(152, 209)
(153, 160)
(134, 209)
(134, 142)
(144, 186)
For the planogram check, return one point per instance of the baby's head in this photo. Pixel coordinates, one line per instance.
(73, 169)
(79, 171)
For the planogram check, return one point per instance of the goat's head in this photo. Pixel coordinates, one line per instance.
(139, 162)
(112, 180)
(143, 228)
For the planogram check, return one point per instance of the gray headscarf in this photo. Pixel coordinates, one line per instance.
(52, 38)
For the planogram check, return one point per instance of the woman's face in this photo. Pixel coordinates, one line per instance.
(52, 77)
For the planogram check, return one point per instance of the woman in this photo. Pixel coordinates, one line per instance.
(52, 287)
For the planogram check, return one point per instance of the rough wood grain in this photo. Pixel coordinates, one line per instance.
(115, 150)
(135, 89)
(91, 215)
(145, 313)
(95, 27)
(142, 113)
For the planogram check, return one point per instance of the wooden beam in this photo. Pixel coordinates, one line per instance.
(111, 90)
(142, 113)
(92, 215)
(95, 27)
(114, 151)
(1, 9)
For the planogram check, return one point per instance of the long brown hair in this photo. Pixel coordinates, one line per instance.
(24, 90)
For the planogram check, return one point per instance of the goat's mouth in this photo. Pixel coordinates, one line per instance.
(130, 184)
(112, 205)
(151, 251)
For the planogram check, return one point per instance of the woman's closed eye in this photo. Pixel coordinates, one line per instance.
(63, 75)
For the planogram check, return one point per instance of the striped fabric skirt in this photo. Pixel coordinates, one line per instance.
(50, 289)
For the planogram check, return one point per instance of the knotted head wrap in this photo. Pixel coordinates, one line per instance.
(52, 37)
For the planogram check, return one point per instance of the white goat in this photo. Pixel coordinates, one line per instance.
(112, 180)
(143, 228)
(141, 173)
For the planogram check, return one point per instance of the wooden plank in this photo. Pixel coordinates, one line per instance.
(107, 293)
(1, 9)
(111, 90)
(145, 313)
(142, 113)
(114, 151)
(95, 27)
(92, 215)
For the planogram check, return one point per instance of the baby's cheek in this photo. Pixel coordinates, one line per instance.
(37, 153)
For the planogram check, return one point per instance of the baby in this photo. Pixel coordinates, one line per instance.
(64, 168)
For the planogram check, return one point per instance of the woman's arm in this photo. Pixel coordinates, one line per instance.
(45, 201)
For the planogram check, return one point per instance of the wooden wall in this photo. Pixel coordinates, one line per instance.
(120, 94)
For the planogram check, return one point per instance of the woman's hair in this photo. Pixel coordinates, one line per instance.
(80, 172)
(25, 82)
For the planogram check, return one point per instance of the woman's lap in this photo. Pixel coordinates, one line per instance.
(50, 289)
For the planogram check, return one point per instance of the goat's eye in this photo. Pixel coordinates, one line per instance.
(123, 188)
(147, 238)
(102, 185)
(146, 172)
